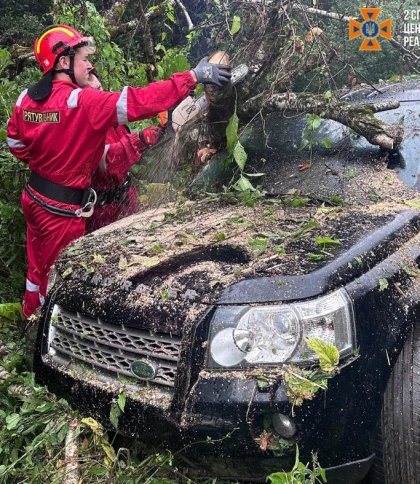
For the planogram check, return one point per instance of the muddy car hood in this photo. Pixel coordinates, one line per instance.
(161, 270)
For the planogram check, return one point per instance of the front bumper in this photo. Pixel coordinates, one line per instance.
(221, 425)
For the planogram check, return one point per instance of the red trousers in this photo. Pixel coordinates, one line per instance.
(46, 236)
(106, 214)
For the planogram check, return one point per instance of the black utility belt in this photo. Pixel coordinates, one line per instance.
(86, 199)
(115, 195)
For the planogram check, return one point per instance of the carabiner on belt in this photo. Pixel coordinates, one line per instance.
(87, 209)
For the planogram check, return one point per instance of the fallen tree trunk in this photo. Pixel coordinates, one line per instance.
(359, 117)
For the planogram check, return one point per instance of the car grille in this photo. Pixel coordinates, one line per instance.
(75, 338)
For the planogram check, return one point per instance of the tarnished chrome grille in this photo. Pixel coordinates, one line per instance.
(75, 338)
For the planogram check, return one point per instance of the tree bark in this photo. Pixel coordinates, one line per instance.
(72, 472)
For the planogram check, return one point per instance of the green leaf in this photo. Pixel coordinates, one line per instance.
(45, 407)
(109, 450)
(12, 421)
(327, 353)
(383, 284)
(114, 414)
(281, 478)
(327, 242)
(279, 249)
(243, 184)
(171, 17)
(236, 25)
(327, 143)
(336, 199)
(413, 203)
(262, 382)
(315, 257)
(232, 132)
(67, 272)
(88, 269)
(75, 249)
(219, 236)
(144, 261)
(98, 259)
(235, 219)
(97, 471)
(309, 225)
(313, 121)
(239, 155)
(259, 245)
(127, 241)
(94, 425)
(412, 271)
(296, 202)
(121, 401)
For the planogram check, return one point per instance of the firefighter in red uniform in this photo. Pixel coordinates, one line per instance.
(59, 128)
(117, 197)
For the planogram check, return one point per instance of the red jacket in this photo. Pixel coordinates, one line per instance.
(122, 150)
(63, 137)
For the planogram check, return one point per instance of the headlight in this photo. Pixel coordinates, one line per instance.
(243, 336)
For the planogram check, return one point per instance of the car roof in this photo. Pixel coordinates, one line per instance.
(274, 146)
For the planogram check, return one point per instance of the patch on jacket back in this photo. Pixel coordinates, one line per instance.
(48, 117)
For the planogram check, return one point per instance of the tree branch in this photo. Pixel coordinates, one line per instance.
(148, 43)
(323, 13)
(359, 117)
(133, 24)
(72, 472)
(186, 14)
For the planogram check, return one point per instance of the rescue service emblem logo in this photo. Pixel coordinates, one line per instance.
(370, 29)
(47, 117)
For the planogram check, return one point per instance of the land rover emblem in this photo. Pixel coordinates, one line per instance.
(143, 369)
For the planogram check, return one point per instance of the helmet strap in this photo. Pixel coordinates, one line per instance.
(72, 53)
(70, 70)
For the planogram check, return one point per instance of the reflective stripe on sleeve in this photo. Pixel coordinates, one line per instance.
(30, 286)
(41, 299)
(21, 96)
(73, 98)
(15, 143)
(122, 107)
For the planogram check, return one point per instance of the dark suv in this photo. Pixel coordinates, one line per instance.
(201, 311)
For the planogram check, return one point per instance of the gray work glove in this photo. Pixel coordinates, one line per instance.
(218, 74)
